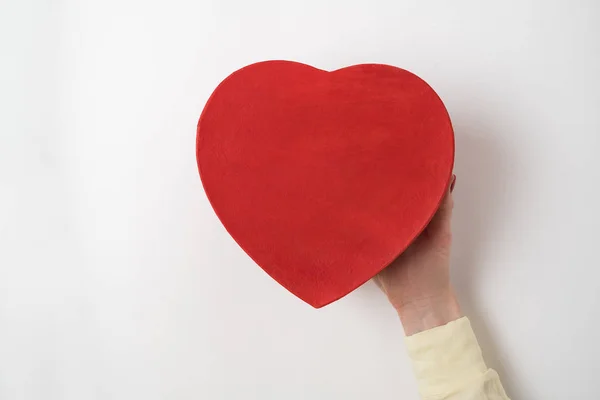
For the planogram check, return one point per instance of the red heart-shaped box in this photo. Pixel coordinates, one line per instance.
(324, 178)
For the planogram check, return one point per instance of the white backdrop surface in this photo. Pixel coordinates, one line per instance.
(117, 281)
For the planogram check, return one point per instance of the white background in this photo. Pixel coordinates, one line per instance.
(117, 281)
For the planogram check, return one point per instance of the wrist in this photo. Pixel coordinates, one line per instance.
(426, 313)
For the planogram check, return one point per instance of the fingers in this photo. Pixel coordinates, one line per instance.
(440, 225)
(377, 281)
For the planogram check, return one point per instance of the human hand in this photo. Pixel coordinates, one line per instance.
(417, 283)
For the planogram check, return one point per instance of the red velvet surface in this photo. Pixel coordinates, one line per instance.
(324, 178)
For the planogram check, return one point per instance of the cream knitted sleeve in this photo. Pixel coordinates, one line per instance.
(448, 364)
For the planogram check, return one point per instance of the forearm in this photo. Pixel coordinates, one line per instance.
(444, 351)
(421, 314)
(448, 364)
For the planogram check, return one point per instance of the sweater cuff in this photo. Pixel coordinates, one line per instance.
(446, 358)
